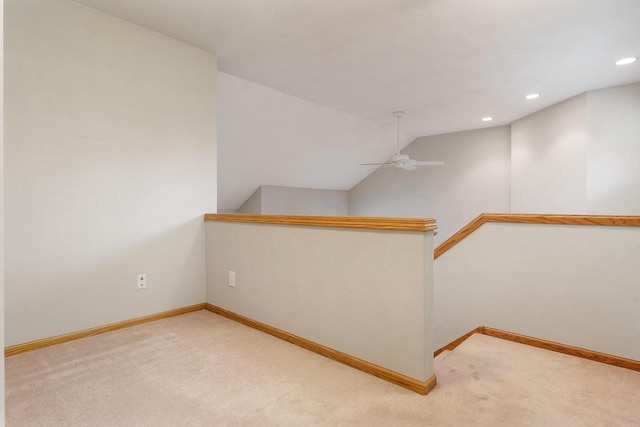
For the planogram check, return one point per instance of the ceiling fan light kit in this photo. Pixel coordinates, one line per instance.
(402, 161)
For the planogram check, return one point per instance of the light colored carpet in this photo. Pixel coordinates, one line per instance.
(200, 369)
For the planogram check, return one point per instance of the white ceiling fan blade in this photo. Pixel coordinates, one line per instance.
(405, 161)
(408, 167)
(380, 166)
(428, 163)
(401, 161)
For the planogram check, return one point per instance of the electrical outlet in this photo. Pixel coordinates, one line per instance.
(142, 281)
(232, 279)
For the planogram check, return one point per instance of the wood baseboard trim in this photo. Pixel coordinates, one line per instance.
(453, 344)
(46, 342)
(429, 384)
(421, 387)
(596, 356)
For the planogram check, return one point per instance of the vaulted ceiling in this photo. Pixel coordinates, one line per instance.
(446, 62)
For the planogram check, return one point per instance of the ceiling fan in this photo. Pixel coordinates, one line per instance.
(402, 161)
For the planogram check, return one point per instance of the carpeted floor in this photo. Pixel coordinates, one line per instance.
(200, 369)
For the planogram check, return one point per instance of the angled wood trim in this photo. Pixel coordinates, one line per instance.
(458, 236)
(564, 348)
(453, 344)
(376, 223)
(596, 356)
(605, 220)
(46, 342)
(421, 387)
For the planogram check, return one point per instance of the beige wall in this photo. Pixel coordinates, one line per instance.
(110, 162)
(364, 292)
(576, 285)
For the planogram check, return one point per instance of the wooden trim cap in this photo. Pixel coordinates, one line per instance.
(603, 220)
(376, 223)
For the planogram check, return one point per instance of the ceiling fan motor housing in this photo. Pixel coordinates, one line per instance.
(399, 158)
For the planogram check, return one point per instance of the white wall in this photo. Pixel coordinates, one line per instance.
(579, 156)
(613, 165)
(268, 137)
(548, 159)
(576, 285)
(253, 204)
(304, 201)
(110, 162)
(2, 207)
(364, 292)
(277, 200)
(474, 179)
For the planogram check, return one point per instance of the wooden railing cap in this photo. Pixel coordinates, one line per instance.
(606, 220)
(376, 223)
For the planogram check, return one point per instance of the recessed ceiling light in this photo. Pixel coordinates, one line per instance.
(626, 61)
(487, 119)
(533, 96)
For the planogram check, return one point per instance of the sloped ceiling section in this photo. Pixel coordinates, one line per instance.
(266, 137)
(448, 63)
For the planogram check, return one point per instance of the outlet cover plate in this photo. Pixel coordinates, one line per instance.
(142, 281)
